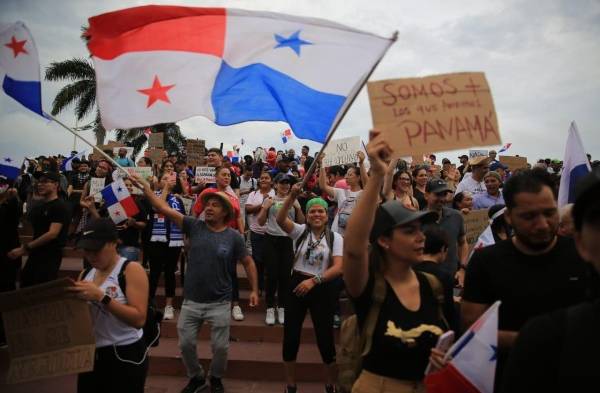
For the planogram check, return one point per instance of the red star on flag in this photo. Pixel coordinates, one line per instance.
(16, 46)
(156, 92)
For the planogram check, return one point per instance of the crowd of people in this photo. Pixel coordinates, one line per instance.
(306, 239)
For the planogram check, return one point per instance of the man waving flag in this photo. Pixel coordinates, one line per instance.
(157, 64)
(20, 66)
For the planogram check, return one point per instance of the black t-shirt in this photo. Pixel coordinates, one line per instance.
(131, 236)
(390, 355)
(554, 351)
(527, 285)
(9, 224)
(420, 197)
(44, 214)
(447, 281)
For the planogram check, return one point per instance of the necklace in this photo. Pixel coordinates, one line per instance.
(312, 244)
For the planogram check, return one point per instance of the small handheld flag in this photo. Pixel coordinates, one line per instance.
(20, 66)
(575, 166)
(505, 148)
(119, 202)
(9, 168)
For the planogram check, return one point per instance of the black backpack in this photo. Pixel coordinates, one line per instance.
(153, 315)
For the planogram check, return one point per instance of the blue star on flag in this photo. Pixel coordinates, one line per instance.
(120, 189)
(293, 42)
(495, 354)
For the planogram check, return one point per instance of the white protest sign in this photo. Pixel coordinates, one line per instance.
(342, 151)
(96, 185)
(143, 172)
(187, 204)
(478, 153)
(205, 173)
(129, 151)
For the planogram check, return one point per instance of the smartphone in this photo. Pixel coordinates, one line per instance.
(444, 343)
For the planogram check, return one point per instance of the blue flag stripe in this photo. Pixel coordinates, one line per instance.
(260, 93)
(574, 176)
(29, 94)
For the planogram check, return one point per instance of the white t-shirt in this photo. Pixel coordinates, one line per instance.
(468, 184)
(346, 200)
(318, 258)
(256, 198)
(246, 185)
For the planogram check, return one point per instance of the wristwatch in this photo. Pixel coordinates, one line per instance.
(105, 300)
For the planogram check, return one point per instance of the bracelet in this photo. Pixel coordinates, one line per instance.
(318, 279)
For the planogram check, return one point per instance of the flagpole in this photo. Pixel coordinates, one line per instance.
(312, 167)
(106, 156)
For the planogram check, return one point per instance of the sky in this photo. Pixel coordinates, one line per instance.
(541, 60)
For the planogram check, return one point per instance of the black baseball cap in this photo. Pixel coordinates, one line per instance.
(54, 176)
(446, 161)
(436, 186)
(463, 156)
(97, 233)
(392, 214)
(283, 177)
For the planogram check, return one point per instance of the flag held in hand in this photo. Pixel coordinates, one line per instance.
(119, 202)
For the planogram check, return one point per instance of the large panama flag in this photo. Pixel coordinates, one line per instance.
(575, 166)
(157, 64)
(20, 66)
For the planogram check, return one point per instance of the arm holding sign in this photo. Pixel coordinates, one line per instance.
(388, 190)
(323, 178)
(159, 203)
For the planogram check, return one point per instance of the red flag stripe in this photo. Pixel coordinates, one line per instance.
(129, 206)
(448, 380)
(153, 28)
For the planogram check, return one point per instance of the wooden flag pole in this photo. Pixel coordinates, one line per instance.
(349, 103)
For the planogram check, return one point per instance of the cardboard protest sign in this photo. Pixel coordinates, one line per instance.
(96, 185)
(513, 162)
(205, 173)
(475, 223)
(478, 153)
(156, 155)
(342, 151)
(49, 332)
(157, 140)
(129, 154)
(109, 147)
(434, 113)
(145, 172)
(195, 150)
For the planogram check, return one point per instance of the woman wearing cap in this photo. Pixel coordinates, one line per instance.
(118, 315)
(278, 252)
(493, 194)
(409, 323)
(317, 262)
(463, 202)
(166, 242)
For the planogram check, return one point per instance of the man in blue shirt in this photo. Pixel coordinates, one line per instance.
(123, 160)
(493, 194)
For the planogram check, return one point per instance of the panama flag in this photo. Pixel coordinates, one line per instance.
(472, 367)
(505, 148)
(118, 201)
(67, 164)
(286, 135)
(575, 166)
(20, 66)
(9, 168)
(158, 64)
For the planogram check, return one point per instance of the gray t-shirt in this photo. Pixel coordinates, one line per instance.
(211, 260)
(453, 224)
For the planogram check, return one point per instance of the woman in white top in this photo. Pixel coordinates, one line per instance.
(345, 199)
(317, 262)
(118, 315)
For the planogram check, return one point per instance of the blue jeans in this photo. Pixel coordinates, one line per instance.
(129, 252)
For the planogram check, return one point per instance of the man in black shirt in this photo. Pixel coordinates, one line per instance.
(558, 350)
(534, 272)
(50, 222)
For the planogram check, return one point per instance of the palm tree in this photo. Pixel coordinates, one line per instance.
(81, 92)
(173, 138)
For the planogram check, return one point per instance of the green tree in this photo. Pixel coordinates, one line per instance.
(173, 138)
(81, 92)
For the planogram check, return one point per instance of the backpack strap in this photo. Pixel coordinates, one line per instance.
(85, 272)
(438, 294)
(121, 277)
(378, 295)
